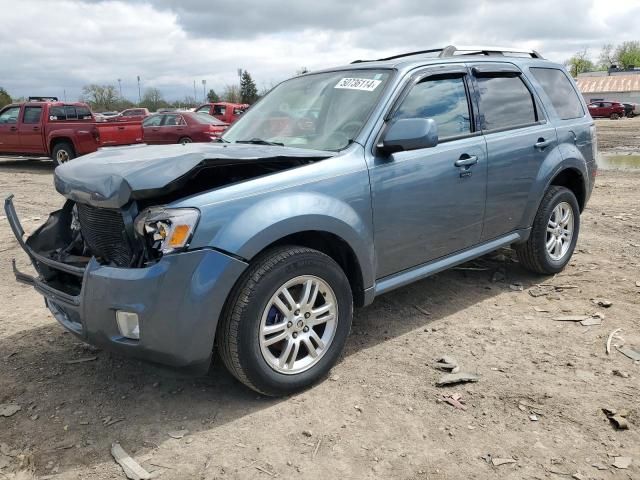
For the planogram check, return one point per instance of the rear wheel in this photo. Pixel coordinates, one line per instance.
(286, 321)
(62, 152)
(554, 233)
(185, 140)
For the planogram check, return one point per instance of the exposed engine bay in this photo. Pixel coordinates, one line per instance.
(139, 233)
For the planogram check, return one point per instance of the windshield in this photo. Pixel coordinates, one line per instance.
(322, 111)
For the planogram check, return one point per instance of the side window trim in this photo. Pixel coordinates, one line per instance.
(422, 75)
(540, 114)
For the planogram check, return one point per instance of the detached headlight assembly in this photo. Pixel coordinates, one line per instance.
(167, 229)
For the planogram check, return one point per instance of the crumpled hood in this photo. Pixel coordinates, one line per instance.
(111, 177)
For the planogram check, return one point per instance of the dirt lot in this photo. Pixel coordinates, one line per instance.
(538, 402)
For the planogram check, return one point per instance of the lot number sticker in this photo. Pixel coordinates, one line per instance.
(365, 84)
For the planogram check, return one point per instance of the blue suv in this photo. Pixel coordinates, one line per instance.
(336, 187)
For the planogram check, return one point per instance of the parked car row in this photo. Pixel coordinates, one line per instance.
(613, 110)
(63, 131)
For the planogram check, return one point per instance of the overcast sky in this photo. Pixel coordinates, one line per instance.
(48, 46)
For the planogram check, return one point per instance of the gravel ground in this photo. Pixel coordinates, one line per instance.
(538, 403)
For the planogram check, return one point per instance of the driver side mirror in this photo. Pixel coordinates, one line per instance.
(409, 134)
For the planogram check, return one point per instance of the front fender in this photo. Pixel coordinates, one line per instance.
(564, 157)
(275, 217)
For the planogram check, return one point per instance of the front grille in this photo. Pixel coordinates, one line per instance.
(104, 233)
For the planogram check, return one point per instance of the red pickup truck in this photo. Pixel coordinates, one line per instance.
(224, 111)
(59, 130)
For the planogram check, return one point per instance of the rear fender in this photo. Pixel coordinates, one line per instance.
(564, 157)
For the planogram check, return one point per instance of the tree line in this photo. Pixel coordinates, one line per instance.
(107, 97)
(624, 55)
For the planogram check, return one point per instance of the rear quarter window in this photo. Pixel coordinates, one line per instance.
(558, 88)
(69, 112)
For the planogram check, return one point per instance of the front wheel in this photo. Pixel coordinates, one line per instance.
(615, 116)
(554, 233)
(185, 140)
(287, 321)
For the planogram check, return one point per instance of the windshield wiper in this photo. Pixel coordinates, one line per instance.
(259, 141)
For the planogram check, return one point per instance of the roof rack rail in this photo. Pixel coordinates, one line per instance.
(452, 50)
(43, 99)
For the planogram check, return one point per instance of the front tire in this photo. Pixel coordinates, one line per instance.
(62, 152)
(185, 140)
(615, 116)
(287, 321)
(554, 233)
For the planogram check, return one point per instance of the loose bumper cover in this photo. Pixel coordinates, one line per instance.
(178, 300)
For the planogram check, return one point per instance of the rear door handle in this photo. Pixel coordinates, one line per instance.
(120, 128)
(541, 144)
(13, 129)
(466, 161)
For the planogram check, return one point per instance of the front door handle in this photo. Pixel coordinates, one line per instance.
(541, 144)
(466, 161)
(13, 129)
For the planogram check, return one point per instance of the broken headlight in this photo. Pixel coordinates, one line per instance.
(167, 229)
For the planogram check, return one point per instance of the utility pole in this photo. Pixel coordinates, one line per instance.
(195, 95)
(120, 86)
(139, 95)
(204, 91)
(239, 85)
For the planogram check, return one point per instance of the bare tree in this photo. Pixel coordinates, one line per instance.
(580, 63)
(100, 97)
(606, 57)
(153, 99)
(231, 94)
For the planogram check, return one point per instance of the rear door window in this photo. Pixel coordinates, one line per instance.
(153, 121)
(505, 102)
(442, 99)
(558, 88)
(32, 115)
(172, 120)
(83, 113)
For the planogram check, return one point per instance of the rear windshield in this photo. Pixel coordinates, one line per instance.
(207, 119)
(69, 112)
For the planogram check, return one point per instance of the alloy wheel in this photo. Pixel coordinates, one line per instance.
(560, 231)
(298, 324)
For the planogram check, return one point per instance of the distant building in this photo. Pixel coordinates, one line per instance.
(614, 84)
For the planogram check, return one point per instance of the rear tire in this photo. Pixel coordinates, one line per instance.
(185, 140)
(258, 311)
(552, 239)
(62, 152)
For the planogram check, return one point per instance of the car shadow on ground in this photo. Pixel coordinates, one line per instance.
(30, 165)
(114, 397)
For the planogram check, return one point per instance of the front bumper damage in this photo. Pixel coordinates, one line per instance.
(178, 299)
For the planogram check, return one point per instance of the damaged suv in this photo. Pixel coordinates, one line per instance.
(338, 186)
